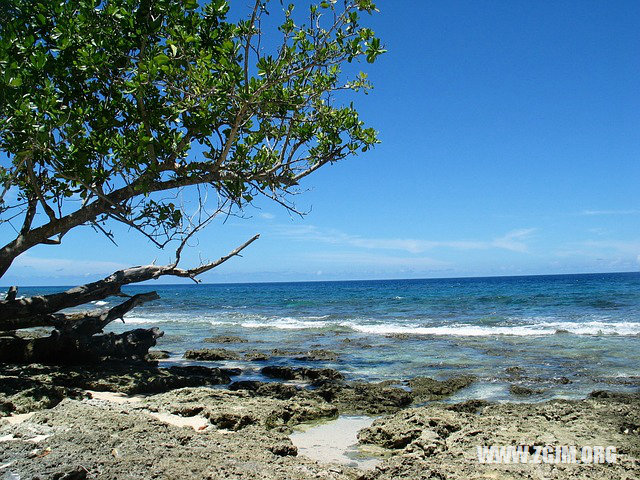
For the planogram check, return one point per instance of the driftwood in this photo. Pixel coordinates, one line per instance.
(78, 348)
(88, 323)
(109, 286)
(78, 336)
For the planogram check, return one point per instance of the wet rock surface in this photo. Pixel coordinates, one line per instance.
(427, 389)
(211, 354)
(225, 339)
(155, 355)
(300, 355)
(302, 373)
(256, 356)
(523, 391)
(318, 355)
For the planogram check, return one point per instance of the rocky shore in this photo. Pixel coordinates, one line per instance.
(197, 422)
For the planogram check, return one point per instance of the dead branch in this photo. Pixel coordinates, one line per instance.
(111, 285)
(87, 323)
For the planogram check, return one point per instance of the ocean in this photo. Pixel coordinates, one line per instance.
(570, 334)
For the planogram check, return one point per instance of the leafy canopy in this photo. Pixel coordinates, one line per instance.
(103, 104)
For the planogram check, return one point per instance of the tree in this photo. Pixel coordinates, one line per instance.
(111, 110)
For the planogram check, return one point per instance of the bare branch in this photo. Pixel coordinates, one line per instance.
(192, 273)
(111, 285)
(86, 323)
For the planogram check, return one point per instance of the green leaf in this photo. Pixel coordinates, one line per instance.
(15, 81)
(161, 59)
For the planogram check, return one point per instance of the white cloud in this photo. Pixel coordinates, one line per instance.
(514, 241)
(609, 212)
(266, 215)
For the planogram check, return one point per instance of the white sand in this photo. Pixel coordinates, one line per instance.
(197, 422)
(335, 442)
(17, 418)
(114, 397)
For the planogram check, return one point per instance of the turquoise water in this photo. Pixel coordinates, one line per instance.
(585, 328)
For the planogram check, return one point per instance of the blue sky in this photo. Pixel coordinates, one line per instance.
(510, 145)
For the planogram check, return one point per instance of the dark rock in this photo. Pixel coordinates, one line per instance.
(154, 355)
(284, 450)
(283, 373)
(222, 374)
(211, 354)
(302, 373)
(266, 389)
(603, 394)
(231, 372)
(277, 352)
(249, 385)
(561, 331)
(357, 342)
(402, 336)
(308, 356)
(360, 397)
(469, 406)
(515, 371)
(523, 391)
(194, 370)
(256, 356)
(225, 339)
(318, 355)
(562, 380)
(427, 389)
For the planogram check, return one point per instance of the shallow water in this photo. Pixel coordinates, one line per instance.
(583, 329)
(335, 441)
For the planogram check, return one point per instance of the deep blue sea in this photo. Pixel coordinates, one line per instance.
(585, 328)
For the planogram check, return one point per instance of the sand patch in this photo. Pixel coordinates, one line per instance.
(17, 418)
(197, 422)
(115, 397)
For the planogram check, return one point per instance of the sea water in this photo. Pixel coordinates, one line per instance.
(570, 334)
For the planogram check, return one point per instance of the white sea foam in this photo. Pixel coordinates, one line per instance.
(287, 323)
(466, 330)
(524, 327)
(143, 320)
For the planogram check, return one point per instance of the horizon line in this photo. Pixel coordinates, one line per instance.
(356, 280)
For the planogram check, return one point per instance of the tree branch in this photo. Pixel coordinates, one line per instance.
(111, 285)
(86, 323)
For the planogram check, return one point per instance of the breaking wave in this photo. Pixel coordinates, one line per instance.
(523, 327)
